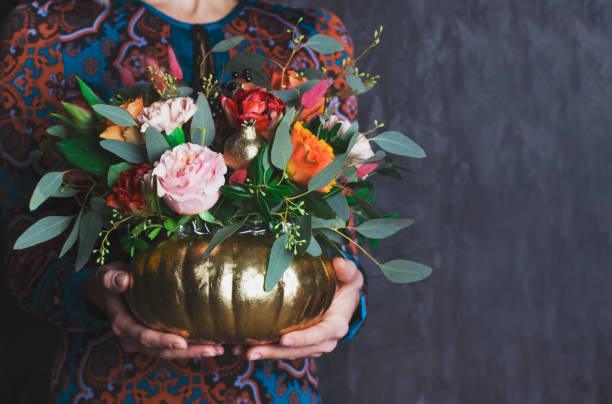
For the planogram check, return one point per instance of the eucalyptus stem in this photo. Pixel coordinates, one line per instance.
(334, 229)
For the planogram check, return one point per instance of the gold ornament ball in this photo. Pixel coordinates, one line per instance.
(242, 147)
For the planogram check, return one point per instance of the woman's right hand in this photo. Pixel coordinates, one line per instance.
(104, 291)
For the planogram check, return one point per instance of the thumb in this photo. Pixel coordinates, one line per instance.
(346, 270)
(116, 281)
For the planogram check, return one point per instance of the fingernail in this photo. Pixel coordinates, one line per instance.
(219, 350)
(120, 280)
(287, 342)
(179, 345)
(255, 356)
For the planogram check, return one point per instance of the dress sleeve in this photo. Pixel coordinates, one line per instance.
(31, 87)
(344, 104)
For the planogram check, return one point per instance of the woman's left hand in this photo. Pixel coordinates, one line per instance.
(324, 336)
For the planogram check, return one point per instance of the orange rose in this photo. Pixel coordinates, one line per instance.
(310, 155)
(130, 134)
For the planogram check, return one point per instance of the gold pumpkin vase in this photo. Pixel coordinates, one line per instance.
(221, 298)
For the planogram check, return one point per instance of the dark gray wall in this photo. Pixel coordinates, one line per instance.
(512, 101)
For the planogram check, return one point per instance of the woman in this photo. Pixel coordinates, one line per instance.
(107, 355)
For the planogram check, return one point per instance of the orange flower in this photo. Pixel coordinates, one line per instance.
(130, 134)
(310, 155)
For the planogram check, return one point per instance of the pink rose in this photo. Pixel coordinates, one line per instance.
(333, 121)
(167, 115)
(188, 178)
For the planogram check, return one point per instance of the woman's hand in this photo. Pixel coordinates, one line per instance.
(104, 291)
(324, 336)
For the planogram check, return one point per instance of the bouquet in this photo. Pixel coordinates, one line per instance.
(252, 151)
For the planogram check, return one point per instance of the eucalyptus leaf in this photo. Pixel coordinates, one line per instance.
(227, 44)
(368, 208)
(249, 60)
(117, 115)
(202, 124)
(156, 144)
(378, 156)
(315, 204)
(114, 172)
(339, 205)
(86, 154)
(49, 184)
(382, 228)
(83, 118)
(282, 148)
(99, 205)
(405, 271)
(355, 83)
(327, 174)
(72, 237)
(58, 131)
(332, 235)
(90, 96)
(397, 143)
(66, 192)
(327, 243)
(184, 91)
(318, 223)
(324, 44)
(350, 132)
(350, 174)
(129, 152)
(89, 230)
(43, 230)
(314, 248)
(280, 259)
(352, 142)
(221, 235)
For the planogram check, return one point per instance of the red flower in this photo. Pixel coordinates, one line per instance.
(127, 191)
(254, 105)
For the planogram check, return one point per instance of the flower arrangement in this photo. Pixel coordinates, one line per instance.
(251, 151)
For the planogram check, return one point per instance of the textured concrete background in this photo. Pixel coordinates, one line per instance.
(511, 99)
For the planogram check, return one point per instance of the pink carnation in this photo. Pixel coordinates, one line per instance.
(167, 115)
(188, 178)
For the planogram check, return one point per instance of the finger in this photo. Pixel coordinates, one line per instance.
(346, 270)
(194, 351)
(332, 327)
(280, 352)
(115, 280)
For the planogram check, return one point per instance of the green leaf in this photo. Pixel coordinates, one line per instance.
(202, 124)
(264, 157)
(90, 96)
(293, 94)
(129, 152)
(318, 223)
(43, 230)
(324, 44)
(327, 174)
(305, 231)
(208, 217)
(156, 144)
(315, 204)
(176, 138)
(227, 44)
(350, 132)
(350, 174)
(282, 148)
(49, 184)
(58, 131)
(367, 207)
(281, 190)
(184, 91)
(170, 225)
(280, 259)
(405, 271)
(382, 228)
(332, 235)
(65, 192)
(117, 115)
(72, 237)
(264, 209)
(221, 235)
(314, 248)
(153, 233)
(114, 172)
(378, 156)
(98, 205)
(352, 141)
(355, 83)
(234, 193)
(397, 143)
(339, 205)
(249, 60)
(327, 243)
(70, 123)
(86, 154)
